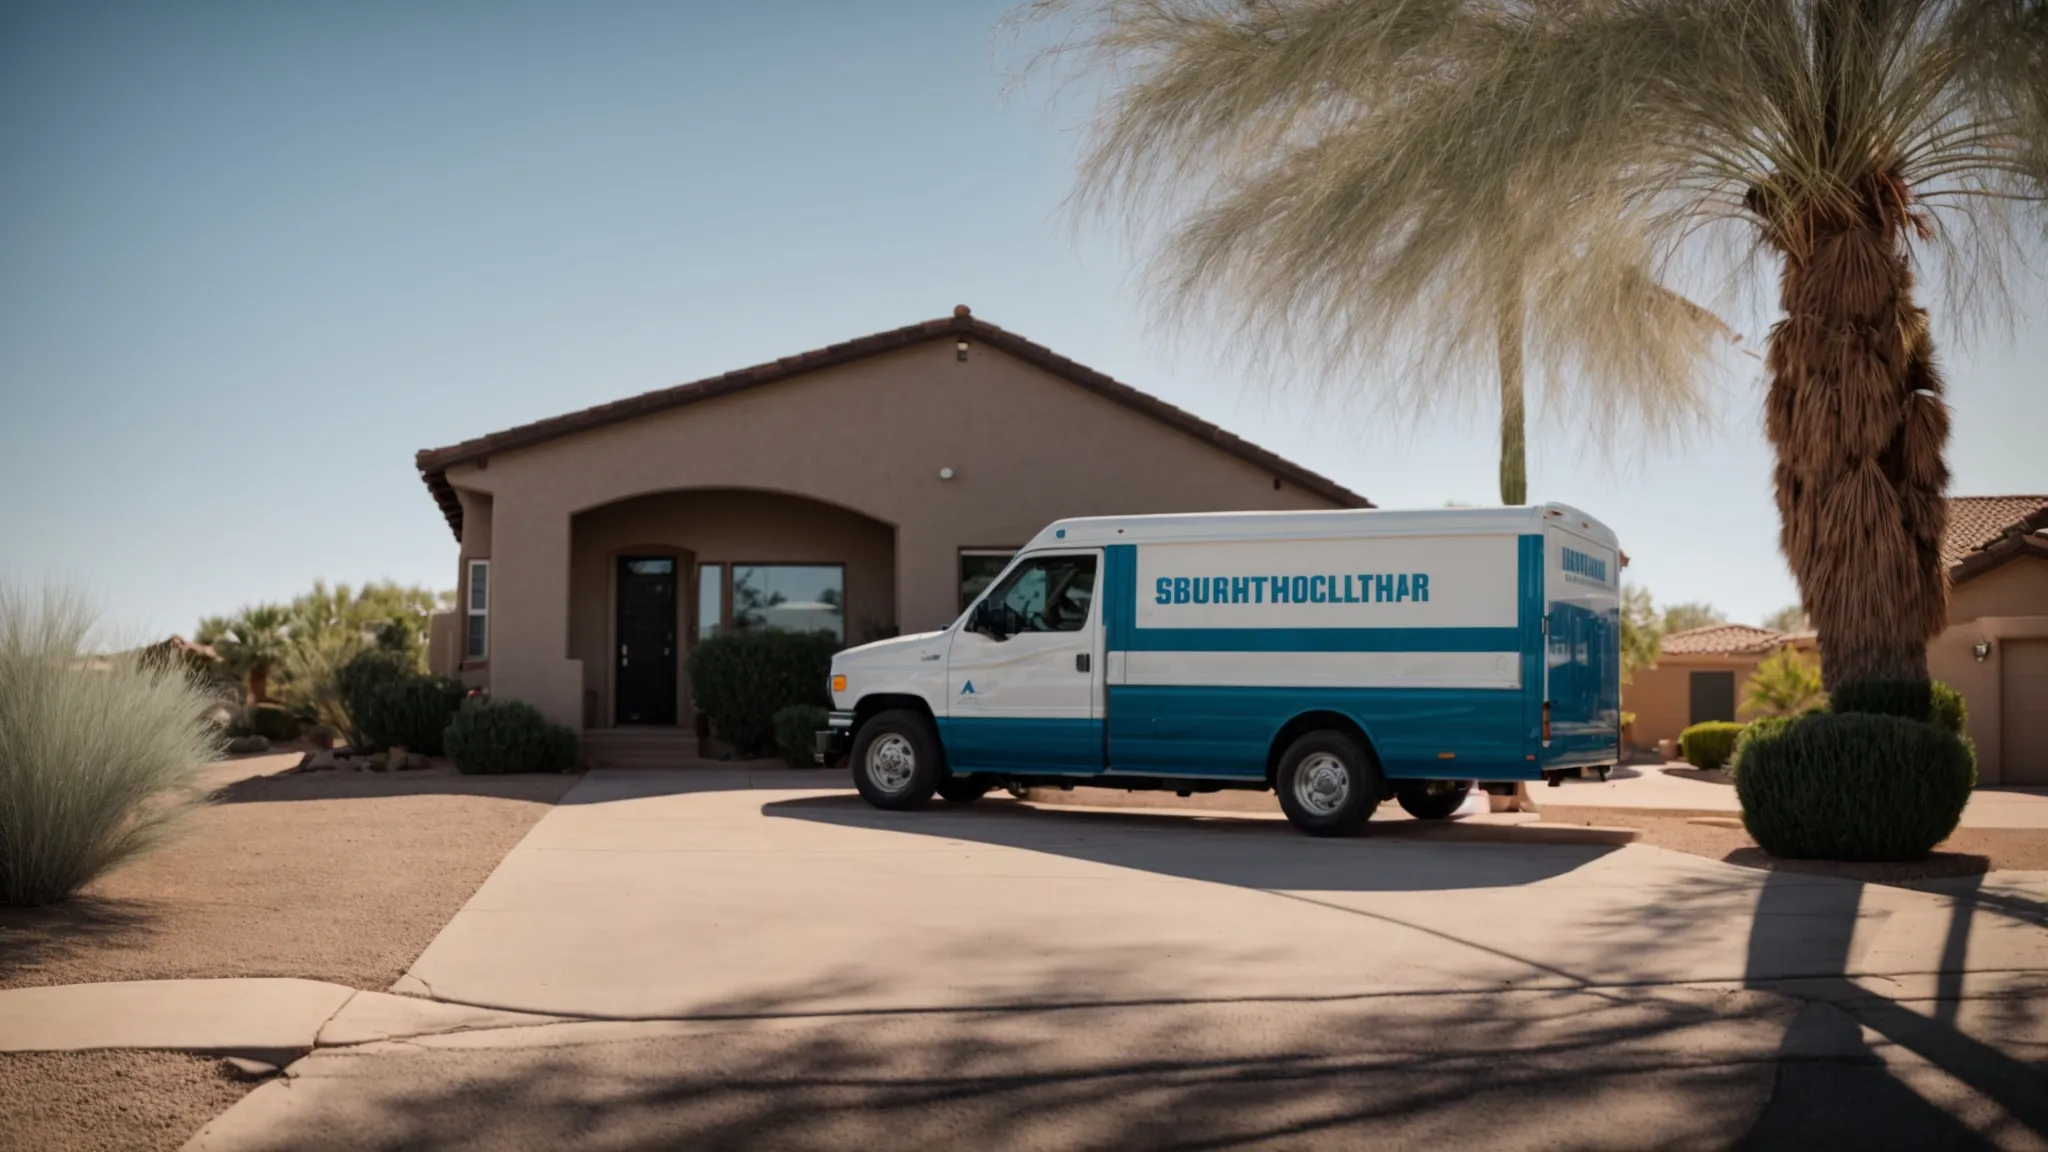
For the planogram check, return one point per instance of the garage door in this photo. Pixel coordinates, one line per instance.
(2023, 703)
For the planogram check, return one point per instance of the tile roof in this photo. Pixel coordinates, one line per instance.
(1974, 521)
(1723, 639)
(434, 463)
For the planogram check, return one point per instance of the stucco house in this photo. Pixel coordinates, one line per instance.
(1701, 674)
(1994, 650)
(867, 488)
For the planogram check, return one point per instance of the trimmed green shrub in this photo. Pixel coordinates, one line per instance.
(796, 731)
(1853, 786)
(1709, 745)
(1930, 701)
(412, 713)
(273, 722)
(487, 738)
(740, 680)
(97, 763)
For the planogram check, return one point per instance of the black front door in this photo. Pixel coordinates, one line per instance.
(646, 680)
(1713, 696)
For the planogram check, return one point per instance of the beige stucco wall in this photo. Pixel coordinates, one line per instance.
(2009, 602)
(1026, 448)
(1661, 695)
(716, 526)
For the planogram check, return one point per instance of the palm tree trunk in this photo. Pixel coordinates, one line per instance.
(1514, 457)
(259, 683)
(1855, 416)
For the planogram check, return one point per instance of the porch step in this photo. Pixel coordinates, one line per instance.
(638, 747)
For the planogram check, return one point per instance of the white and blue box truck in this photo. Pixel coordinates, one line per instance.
(1339, 658)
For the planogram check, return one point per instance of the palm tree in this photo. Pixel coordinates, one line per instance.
(252, 643)
(1367, 180)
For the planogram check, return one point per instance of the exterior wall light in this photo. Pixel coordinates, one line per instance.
(947, 474)
(1981, 650)
(960, 349)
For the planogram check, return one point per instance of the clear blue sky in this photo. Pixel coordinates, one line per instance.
(253, 256)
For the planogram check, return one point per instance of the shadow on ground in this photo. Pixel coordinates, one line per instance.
(442, 780)
(34, 938)
(1217, 847)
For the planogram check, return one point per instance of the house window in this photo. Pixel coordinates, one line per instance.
(790, 598)
(710, 600)
(979, 568)
(478, 605)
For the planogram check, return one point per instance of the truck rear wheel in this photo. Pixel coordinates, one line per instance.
(1328, 785)
(1432, 799)
(896, 760)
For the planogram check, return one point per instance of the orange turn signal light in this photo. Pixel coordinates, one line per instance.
(839, 683)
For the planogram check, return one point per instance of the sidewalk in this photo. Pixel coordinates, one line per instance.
(1678, 786)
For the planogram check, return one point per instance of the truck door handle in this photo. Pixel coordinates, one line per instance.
(1081, 662)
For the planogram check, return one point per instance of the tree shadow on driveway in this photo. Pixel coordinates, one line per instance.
(1219, 848)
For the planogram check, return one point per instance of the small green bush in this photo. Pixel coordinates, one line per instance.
(1709, 745)
(796, 731)
(413, 713)
(97, 764)
(1853, 786)
(273, 722)
(487, 738)
(740, 680)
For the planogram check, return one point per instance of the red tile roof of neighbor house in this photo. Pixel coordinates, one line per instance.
(1986, 531)
(434, 462)
(1723, 640)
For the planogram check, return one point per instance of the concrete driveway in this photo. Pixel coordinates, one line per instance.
(753, 961)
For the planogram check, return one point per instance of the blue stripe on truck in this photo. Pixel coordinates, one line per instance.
(1225, 731)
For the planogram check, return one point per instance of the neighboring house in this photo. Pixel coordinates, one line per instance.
(1994, 650)
(1701, 674)
(863, 488)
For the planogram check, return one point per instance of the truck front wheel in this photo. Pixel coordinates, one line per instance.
(1328, 785)
(896, 760)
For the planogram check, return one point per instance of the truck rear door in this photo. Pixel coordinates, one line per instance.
(1582, 646)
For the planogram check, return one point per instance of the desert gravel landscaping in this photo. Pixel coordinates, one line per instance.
(110, 1101)
(339, 876)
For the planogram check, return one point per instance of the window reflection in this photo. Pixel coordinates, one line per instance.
(790, 598)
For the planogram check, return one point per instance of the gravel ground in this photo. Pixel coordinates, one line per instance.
(1968, 852)
(109, 1101)
(341, 876)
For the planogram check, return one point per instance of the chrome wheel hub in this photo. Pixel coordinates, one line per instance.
(891, 763)
(1321, 785)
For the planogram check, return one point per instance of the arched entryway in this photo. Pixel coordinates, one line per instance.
(693, 562)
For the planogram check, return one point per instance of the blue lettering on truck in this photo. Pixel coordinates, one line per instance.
(1321, 588)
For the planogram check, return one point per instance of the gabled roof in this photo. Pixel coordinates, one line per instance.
(435, 462)
(1723, 640)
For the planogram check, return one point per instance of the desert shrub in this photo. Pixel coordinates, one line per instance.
(487, 738)
(412, 713)
(1709, 745)
(357, 681)
(740, 680)
(97, 760)
(1927, 700)
(1853, 786)
(1785, 684)
(796, 731)
(273, 722)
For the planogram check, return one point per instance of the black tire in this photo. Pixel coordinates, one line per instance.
(964, 789)
(1431, 799)
(1606, 771)
(1328, 784)
(896, 760)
